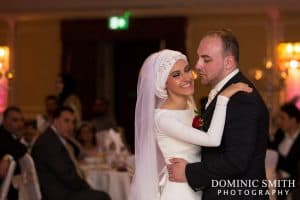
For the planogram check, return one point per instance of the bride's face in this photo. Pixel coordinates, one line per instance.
(180, 80)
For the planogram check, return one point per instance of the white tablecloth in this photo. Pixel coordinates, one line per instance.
(115, 183)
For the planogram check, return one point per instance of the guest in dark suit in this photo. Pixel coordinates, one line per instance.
(241, 155)
(13, 122)
(287, 143)
(60, 178)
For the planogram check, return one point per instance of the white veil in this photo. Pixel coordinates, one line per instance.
(151, 92)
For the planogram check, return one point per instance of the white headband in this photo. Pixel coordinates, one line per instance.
(164, 62)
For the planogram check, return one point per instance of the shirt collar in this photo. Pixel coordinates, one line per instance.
(221, 84)
(63, 140)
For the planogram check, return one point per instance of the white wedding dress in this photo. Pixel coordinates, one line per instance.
(177, 138)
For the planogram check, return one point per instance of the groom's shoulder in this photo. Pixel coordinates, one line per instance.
(254, 95)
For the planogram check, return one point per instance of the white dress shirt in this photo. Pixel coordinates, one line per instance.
(215, 90)
(287, 143)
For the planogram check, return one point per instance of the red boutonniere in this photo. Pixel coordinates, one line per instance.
(198, 120)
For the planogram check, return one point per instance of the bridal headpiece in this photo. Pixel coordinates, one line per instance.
(165, 61)
(151, 91)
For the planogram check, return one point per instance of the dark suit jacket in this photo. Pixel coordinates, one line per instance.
(241, 155)
(56, 171)
(290, 162)
(10, 145)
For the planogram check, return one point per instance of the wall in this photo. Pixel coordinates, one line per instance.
(37, 63)
(3, 33)
(38, 45)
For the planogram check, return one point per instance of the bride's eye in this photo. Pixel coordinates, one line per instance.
(175, 74)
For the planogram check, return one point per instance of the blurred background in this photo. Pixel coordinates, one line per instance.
(40, 39)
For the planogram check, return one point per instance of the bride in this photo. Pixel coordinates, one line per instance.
(163, 125)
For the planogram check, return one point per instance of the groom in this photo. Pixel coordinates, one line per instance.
(235, 169)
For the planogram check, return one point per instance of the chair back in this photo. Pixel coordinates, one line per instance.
(7, 180)
(29, 187)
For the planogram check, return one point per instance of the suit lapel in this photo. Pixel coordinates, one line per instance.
(208, 113)
(57, 141)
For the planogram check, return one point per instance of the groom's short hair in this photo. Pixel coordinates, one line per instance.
(229, 40)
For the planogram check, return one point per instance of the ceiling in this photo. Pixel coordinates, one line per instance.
(27, 9)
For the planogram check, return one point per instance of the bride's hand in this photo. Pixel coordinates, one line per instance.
(234, 88)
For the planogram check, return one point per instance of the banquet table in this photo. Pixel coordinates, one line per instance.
(102, 177)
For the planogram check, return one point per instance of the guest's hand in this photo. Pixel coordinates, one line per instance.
(130, 166)
(4, 164)
(176, 169)
(130, 170)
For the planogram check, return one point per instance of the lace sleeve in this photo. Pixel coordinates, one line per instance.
(174, 128)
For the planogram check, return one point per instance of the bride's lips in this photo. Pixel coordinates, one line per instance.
(186, 85)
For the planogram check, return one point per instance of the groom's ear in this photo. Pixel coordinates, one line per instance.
(229, 62)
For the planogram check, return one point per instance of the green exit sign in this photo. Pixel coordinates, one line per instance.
(119, 22)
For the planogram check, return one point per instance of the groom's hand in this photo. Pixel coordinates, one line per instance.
(176, 170)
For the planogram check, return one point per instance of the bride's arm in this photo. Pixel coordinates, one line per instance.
(174, 128)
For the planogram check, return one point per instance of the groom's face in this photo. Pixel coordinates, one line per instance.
(210, 64)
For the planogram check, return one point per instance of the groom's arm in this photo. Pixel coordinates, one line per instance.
(240, 134)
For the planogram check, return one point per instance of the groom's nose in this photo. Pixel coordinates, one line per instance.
(199, 65)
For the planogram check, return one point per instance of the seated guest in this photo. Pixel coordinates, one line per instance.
(9, 144)
(29, 134)
(44, 120)
(87, 138)
(287, 142)
(102, 119)
(58, 172)
(66, 91)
